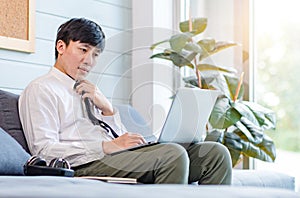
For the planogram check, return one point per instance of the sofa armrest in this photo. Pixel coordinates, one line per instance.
(263, 179)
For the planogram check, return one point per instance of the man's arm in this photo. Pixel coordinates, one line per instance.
(89, 90)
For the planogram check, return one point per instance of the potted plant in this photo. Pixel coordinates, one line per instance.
(237, 124)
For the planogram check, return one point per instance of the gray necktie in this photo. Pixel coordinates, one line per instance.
(93, 119)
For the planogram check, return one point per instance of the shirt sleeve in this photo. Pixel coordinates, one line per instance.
(113, 121)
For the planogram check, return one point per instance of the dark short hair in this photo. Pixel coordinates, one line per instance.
(83, 30)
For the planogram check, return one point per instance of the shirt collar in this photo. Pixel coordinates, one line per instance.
(64, 78)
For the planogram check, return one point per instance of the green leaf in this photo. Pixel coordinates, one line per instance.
(264, 150)
(251, 150)
(178, 41)
(234, 145)
(207, 45)
(245, 132)
(162, 56)
(175, 57)
(235, 156)
(180, 60)
(232, 83)
(193, 47)
(251, 132)
(265, 117)
(215, 136)
(217, 80)
(198, 26)
(221, 45)
(209, 67)
(211, 47)
(245, 112)
(213, 78)
(190, 56)
(268, 146)
(213, 81)
(156, 44)
(191, 81)
(223, 114)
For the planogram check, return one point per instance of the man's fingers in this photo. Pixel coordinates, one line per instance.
(138, 138)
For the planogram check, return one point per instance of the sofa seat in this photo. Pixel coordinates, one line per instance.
(50, 186)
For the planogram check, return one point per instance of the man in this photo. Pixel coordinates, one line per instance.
(56, 124)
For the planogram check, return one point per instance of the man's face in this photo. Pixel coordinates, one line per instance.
(77, 59)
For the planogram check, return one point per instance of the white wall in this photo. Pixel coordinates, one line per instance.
(152, 80)
(18, 69)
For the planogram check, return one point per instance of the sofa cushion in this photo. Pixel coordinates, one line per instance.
(12, 155)
(9, 117)
(132, 120)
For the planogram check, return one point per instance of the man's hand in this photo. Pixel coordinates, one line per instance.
(89, 90)
(125, 141)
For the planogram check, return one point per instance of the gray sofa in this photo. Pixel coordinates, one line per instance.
(14, 153)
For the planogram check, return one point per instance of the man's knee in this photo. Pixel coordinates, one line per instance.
(172, 164)
(175, 154)
(221, 152)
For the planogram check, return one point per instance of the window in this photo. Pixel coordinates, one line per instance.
(276, 41)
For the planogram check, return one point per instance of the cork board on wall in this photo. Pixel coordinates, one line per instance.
(17, 24)
(14, 18)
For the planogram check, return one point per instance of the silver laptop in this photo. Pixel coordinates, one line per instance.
(187, 118)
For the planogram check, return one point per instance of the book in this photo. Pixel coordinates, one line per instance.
(108, 179)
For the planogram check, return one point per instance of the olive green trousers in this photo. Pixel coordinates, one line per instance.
(170, 163)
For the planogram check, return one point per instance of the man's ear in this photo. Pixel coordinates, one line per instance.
(60, 47)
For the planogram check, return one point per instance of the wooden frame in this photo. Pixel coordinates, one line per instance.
(9, 40)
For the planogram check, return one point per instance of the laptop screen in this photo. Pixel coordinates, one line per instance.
(188, 115)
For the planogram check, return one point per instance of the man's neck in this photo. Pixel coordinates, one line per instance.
(60, 68)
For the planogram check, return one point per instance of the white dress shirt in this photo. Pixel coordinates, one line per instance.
(55, 123)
